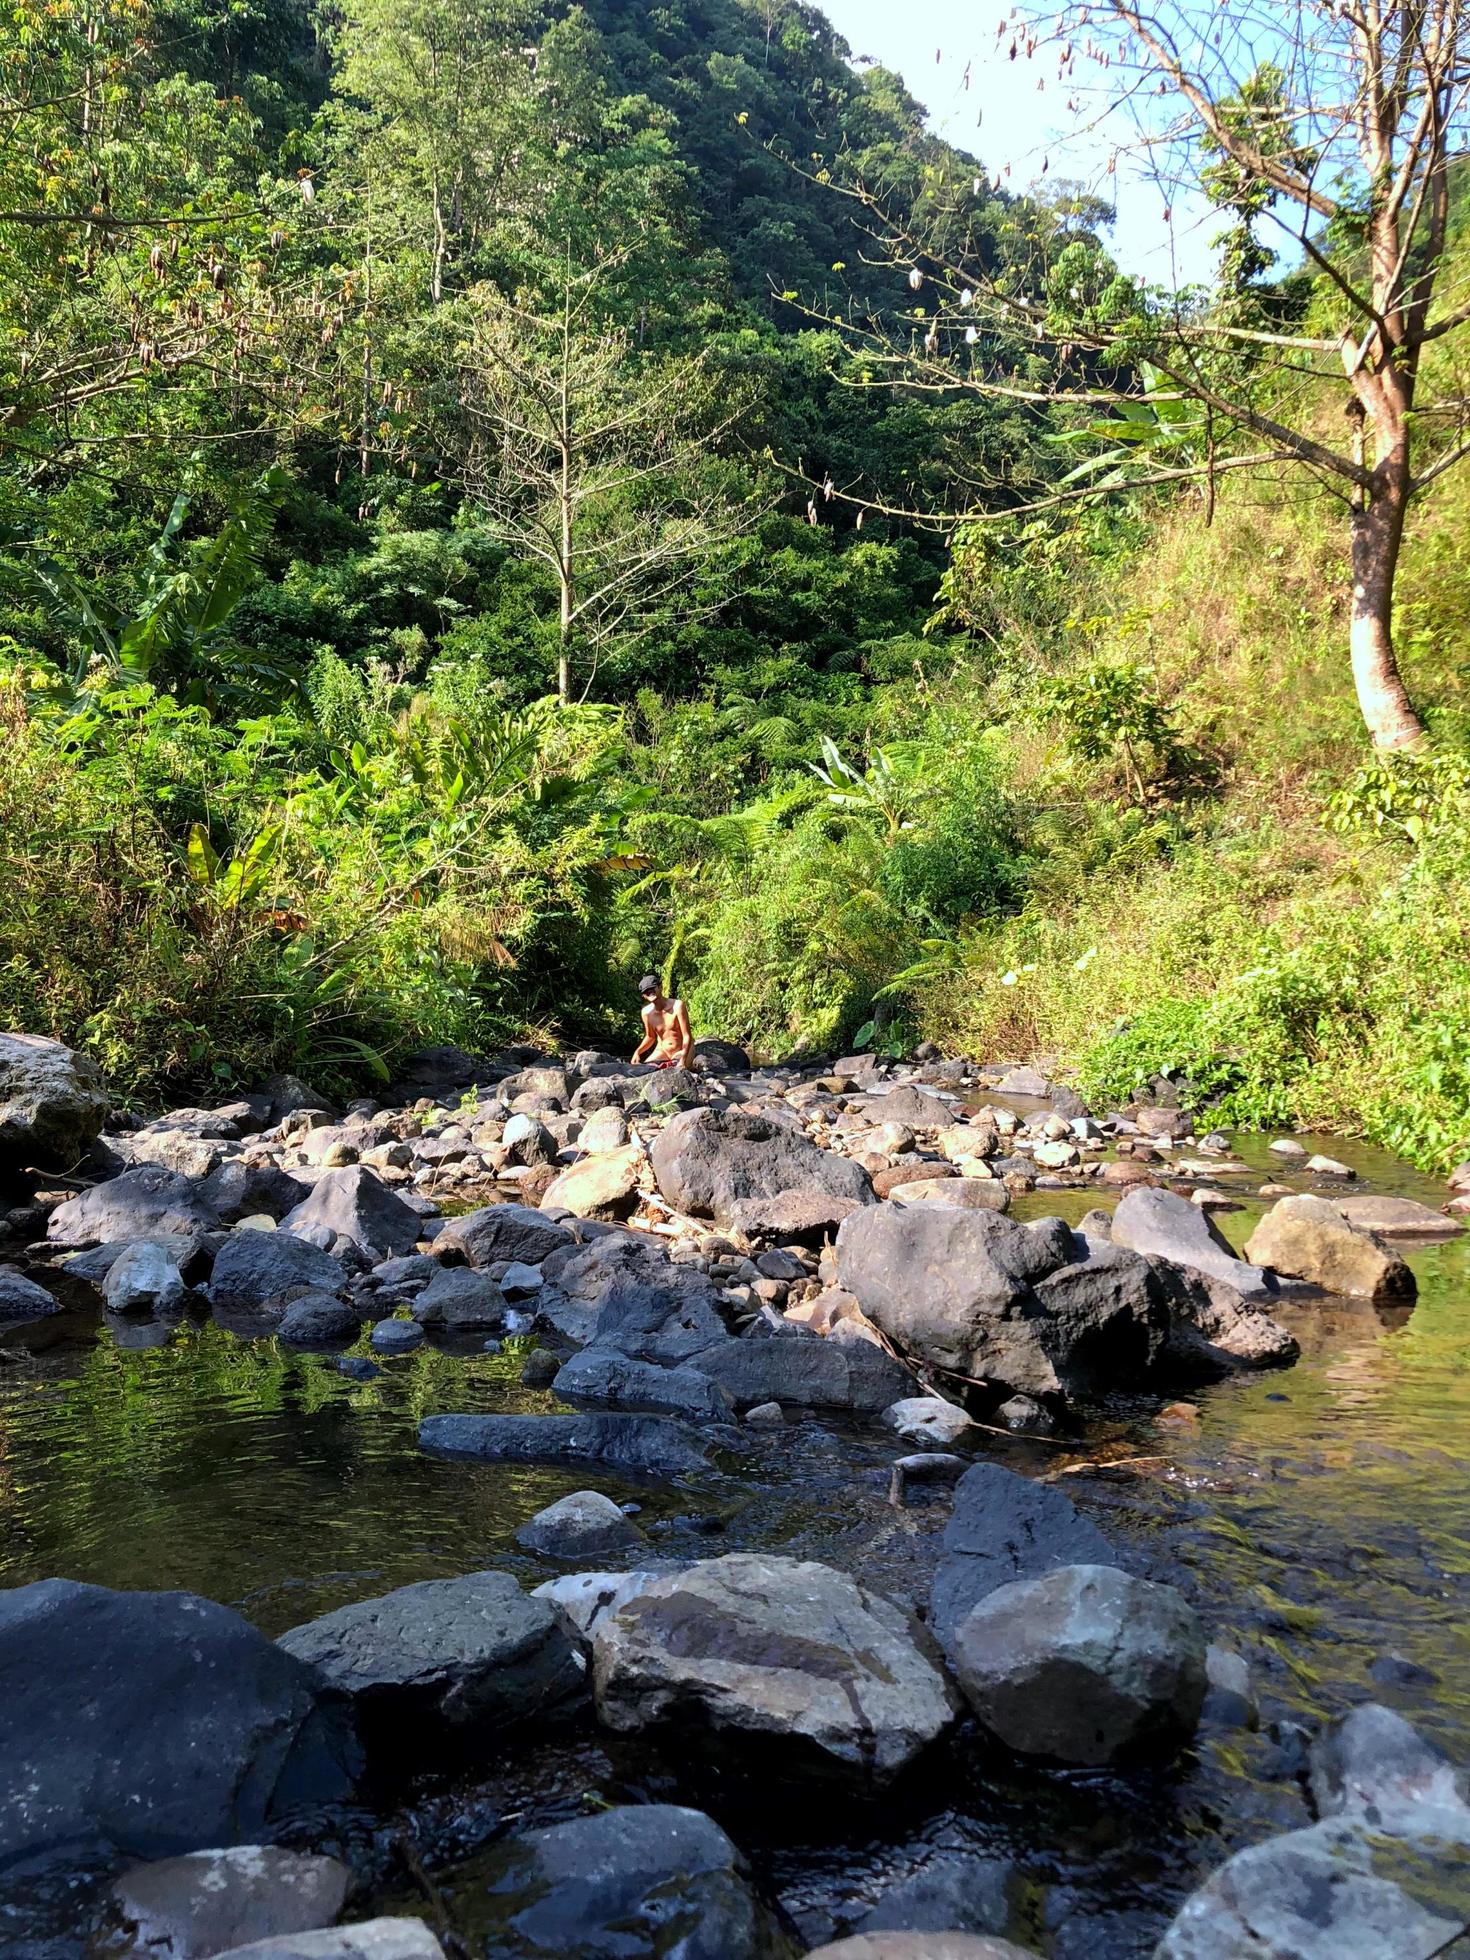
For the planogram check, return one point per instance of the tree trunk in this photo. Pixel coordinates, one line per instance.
(1377, 533)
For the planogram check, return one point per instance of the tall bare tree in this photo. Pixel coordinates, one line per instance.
(1338, 123)
(588, 456)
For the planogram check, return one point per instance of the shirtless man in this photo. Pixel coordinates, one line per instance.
(665, 1028)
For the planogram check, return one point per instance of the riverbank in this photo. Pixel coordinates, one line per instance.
(1310, 1516)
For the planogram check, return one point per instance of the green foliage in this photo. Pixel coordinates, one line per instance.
(1109, 709)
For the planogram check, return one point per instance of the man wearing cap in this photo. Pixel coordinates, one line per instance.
(665, 1028)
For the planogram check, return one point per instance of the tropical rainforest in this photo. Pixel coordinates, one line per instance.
(485, 511)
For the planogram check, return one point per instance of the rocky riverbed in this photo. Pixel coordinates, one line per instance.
(723, 1514)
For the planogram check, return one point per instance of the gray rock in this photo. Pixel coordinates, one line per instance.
(806, 1218)
(588, 1597)
(176, 1150)
(605, 1129)
(990, 1299)
(396, 1337)
(52, 1102)
(1213, 1330)
(1230, 1700)
(1330, 1892)
(101, 1688)
(603, 1186)
(611, 1380)
(707, 1161)
(921, 1946)
(148, 1202)
(355, 1204)
(775, 1654)
(646, 1879)
(249, 1190)
(448, 1661)
(413, 1270)
(459, 1297)
(370, 1939)
(929, 1421)
(657, 1445)
(253, 1267)
(320, 1320)
(582, 1525)
(288, 1094)
(1396, 1218)
(193, 1907)
(143, 1280)
(918, 1108)
(1085, 1666)
(1024, 1081)
(503, 1232)
(620, 1292)
(22, 1299)
(949, 1893)
(724, 1056)
(1003, 1528)
(806, 1371)
(1374, 1768)
(191, 1253)
(1162, 1225)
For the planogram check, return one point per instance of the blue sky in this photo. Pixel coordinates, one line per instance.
(1002, 118)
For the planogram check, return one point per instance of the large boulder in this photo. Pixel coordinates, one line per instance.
(806, 1371)
(1213, 1330)
(1373, 1766)
(919, 1109)
(653, 1445)
(707, 1161)
(370, 1939)
(1085, 1666)
(612, 1380)
(622, 1292)
(641, 1879)
(777, 1661)
(52, 1103)
(503, 1232)
(725, 1057)
(1004, 1528)
(605, 1185)
(448, 1661)
(355, 1204)
(253, 1267)
(458, 1297)
(977, 1293)
(202, 1904)
(155, 1723)
(149, 1202)
(1162, 1225)
(1308, 1238)
(791, 1218)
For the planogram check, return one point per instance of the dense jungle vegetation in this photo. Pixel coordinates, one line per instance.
(454, 558)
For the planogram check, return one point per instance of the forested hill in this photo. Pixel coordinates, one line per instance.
(456, 553)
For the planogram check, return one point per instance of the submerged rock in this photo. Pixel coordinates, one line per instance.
(448, 1660)
(1003, 1528)
(206, 1902)
(658, 1445)
(649, 1880)
(778, 1660)
(103, 1687)
(1084, 1666)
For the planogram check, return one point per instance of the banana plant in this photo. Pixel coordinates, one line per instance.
(232, 884)
(886, 789)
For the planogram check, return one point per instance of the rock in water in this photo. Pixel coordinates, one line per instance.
(654, 1445)
(22, 1299)
(1162, 1225)
(928, 1420)
(1003, 1528)
(253, 1267)
(618, 1381)
(1381, 1877)
(145, 1203)
(1085, 1666)
(102, 1686)
(975, 1292)
(580, 1526)
(775, 1659)
(370, 1939)
(805, 1371)
(448, 1661)
(354, 1204)
(707, 1161)
(208, 1901)
(1307, 1238)
(52, 1103)
(643, 1879)
(601, 1186)
(320, 1320)
(458, 1297)
(143, 1280)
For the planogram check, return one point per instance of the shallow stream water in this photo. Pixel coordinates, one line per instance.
(1319, 1517)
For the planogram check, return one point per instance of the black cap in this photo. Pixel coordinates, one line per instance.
(648, 984)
